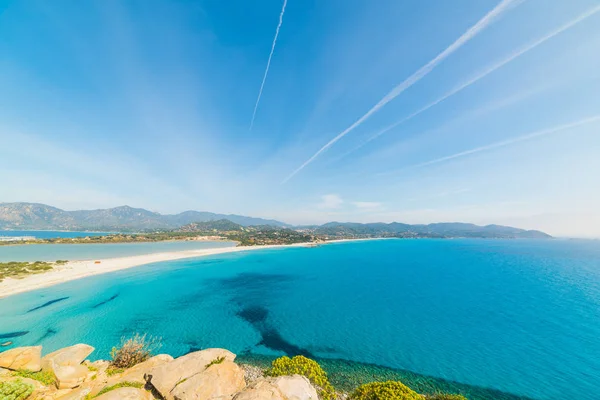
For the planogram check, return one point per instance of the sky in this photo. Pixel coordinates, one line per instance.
(481, 111)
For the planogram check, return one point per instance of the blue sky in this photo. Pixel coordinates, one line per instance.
(481, 111)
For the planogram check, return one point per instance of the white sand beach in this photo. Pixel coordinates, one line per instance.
(81, 269)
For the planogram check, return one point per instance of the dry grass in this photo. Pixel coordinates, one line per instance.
(133, 351)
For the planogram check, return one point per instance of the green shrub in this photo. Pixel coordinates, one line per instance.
(445, 396)
(107, 389)
(15, 390)
(217, 360)
(389, 390)
(133, 351)
(46, 377)
(110, 371)
(307, 367)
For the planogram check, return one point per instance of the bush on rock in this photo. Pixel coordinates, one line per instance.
(389, 390)
(133, 351)
(15, 390)
(307, 367)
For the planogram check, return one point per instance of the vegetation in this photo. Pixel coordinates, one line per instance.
(107, 389)
(45, 377)
(133, 351)
(217, 360)
(19, 269)
(15, 390)
(110, 371)
(307, 367)
(388, 390)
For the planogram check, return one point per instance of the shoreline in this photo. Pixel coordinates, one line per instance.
(77, 269)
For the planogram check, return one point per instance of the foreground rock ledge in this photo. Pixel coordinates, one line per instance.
(209, 374)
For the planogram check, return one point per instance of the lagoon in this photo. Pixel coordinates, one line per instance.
(53, 252)
(518, 316)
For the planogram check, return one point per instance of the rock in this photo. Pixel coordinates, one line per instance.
(126, 393)
(76, 394)
(251, 373)
(137, 372)
(66, 365)
(28, 358)
(296, 387)
(166, 376)
(217, 381)
(73, 355)
(262, 389)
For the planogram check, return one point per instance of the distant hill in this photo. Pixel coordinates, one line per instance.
(220, 225)
(441, 230)
(32, 216)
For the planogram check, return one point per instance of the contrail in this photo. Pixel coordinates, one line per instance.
(483, 23)
(503, 143)
(485, 73)
(262, 85)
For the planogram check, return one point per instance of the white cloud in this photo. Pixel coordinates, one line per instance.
(330, 201)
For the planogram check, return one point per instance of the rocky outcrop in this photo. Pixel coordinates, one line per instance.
(262, 389)
(28, 358)
(296, 387)
(165, 377)
(209, 374)
(137, 372)
(217, 381)
(66, 366)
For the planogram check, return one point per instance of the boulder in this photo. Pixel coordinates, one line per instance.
(262, 389)
(217, 381)
(66, 365)
(126, 393)
(166, 376)
(73, 355)
(76, 394)
(296, 387)
(137, 372)
(28, 358)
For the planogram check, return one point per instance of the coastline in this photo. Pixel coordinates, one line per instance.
(77, 269)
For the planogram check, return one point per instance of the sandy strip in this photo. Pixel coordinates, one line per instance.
(81, 269)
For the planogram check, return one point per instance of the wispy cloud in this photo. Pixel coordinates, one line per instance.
(502, 143)
(262, 85)
(485, 72)
(330, 201)
(483, 23)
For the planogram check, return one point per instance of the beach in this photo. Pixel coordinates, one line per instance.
(77, 269)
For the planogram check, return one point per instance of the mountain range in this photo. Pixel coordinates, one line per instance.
(34, 216)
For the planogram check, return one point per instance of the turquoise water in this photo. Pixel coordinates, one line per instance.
(519, 316)
(51, 234)
(53, 252)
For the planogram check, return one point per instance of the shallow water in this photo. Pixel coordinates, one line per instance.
(51, 234)
(53, 252)
(518, 316)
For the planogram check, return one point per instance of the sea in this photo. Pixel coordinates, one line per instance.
(492, 319)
